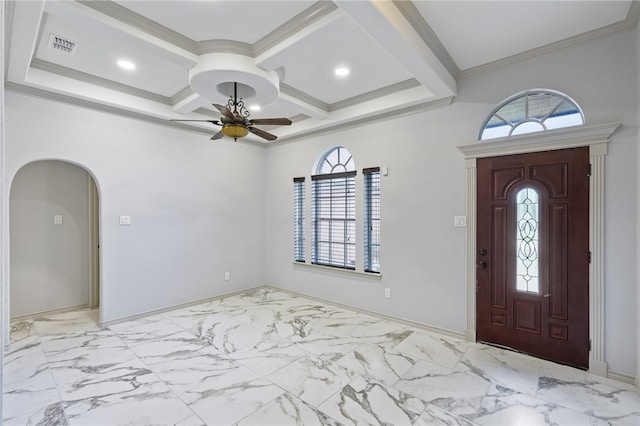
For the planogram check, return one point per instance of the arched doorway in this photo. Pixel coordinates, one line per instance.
(53, 222)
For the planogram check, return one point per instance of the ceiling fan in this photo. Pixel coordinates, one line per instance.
(236, 123)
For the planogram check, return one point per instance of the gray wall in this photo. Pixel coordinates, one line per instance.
(49, 263)
(423, 255)
(196, 206)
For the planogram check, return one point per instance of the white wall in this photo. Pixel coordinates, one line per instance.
(49, 262)
(196, 206)
(423, 255)
(4, 218)
(637, 33)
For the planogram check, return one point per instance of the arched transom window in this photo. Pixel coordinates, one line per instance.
(531, 111)
(336, 160)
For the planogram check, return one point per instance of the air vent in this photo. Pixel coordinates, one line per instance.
(62, 44)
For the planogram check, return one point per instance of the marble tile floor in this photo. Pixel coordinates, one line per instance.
(266, 357)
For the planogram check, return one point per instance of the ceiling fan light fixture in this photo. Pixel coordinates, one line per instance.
(236, 123)
(235, 131)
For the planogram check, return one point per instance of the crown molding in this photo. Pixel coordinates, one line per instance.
(388, 115)
(182, 94)
(375, 94)
(296, 24)
(98, 106)
(134, 20)
(224, 46)
(293, 26)
(295, 93)
(634, 13)
(94, 105)
(630, 23)
(98, 81)
(428, 36)
(71, 100)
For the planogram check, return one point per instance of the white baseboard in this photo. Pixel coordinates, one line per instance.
(37, 315)
(172, 307)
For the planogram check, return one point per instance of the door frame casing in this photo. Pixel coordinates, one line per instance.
(94, 244)
(596, 137)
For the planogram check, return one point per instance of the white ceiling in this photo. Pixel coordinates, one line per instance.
(402, 55)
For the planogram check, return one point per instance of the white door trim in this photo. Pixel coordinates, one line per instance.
(596, 137)
(94, 244)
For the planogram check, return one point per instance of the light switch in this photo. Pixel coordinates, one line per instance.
(460, 221)
(125, 220)
(57, 219)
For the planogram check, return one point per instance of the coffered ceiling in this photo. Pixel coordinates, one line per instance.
(401, 55)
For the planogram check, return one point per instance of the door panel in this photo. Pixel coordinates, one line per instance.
(533, 254)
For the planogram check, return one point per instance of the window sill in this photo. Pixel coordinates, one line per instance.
(340, 271)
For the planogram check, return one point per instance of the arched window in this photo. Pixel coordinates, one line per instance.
(333, 206)
(531, 111)
(336, 160)
(333, 213)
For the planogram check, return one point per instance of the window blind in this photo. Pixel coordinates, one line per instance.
(334, 220)
(298, 222)
(372, 219)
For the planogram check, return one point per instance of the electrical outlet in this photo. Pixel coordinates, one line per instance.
(227, 276)
(387, 293)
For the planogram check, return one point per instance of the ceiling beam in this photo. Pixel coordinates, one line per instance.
(384, 106)
(329, 27)
(289, 101)
(389, 27)
(189, 104)
(24, 38)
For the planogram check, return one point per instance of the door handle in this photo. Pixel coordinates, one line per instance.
(482, 264)
(547, 295)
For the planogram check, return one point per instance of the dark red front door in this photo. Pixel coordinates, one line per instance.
(533, 254)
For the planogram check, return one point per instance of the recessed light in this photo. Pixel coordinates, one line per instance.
(127, 65)
(254, 107)
(342, 71)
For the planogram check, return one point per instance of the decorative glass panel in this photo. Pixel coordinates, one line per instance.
(531, 111)
(527, 221)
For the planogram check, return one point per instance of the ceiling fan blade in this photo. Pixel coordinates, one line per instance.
(205, 121)
(272, 121)
(217, 136)
(224, 110)
(262, 134)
